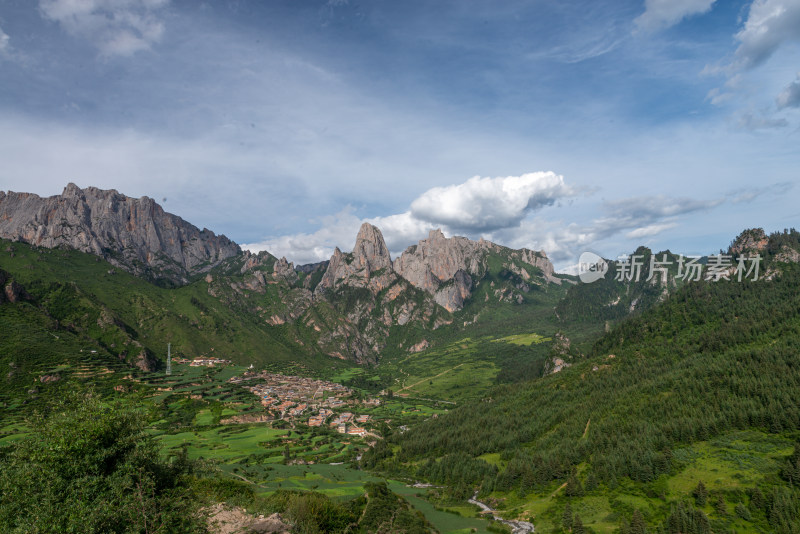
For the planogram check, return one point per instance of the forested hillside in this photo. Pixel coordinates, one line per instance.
(713, 359)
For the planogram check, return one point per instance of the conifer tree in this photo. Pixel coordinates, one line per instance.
(566, 518)
(577, 525)
(700, 494)
(638, 525)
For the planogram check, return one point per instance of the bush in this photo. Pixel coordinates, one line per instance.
(89, 467)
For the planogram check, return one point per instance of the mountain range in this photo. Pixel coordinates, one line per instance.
(350, 307)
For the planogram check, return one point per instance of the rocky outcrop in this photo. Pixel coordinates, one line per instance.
(560, 353)
(285, 269)
(788, 255)
(449, 268)
(752, 240)
(368, 266)
(226, 519)
(451, 295)
(135, 234)
(10, 290)
(365, 289)
(437, 259)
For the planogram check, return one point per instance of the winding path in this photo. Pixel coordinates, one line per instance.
(431, 377)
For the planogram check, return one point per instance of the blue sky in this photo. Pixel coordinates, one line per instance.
(564, 126)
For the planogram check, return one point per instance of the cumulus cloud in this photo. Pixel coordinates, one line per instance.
(487, 204)
(340, 230)
(661, 14)
(115, 27)
(790, 97)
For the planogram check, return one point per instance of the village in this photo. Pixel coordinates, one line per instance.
(211, 361)
(313, 402)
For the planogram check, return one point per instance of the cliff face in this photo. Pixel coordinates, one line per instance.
(134, 233)
(368, 266)
(448, 268)
(364, 288)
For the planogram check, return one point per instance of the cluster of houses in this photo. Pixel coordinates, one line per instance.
(202, 362)
(294, 397)
(343, 422)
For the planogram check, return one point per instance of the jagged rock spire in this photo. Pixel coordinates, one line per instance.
(370, 250)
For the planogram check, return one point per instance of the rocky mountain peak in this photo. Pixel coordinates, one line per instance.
(370, 250)
(356, 269)
(72, 190)
(135, 234)
(752, 240)
(436, 234)
(449, 268)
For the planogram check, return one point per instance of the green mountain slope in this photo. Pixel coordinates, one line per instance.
(712, 360)
(116, 313)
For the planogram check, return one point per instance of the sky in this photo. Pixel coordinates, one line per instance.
(564, 126)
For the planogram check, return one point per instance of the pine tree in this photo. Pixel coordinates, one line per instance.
(720, 505)
(566, 518)
(638, 525)
(574, 487)
(700, 494)
(791, 469)
(742, 511)
(757, 500)
(577, 525)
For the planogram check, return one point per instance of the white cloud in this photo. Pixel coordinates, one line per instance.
(401, 230)
(340, 230)
(635, 218)
(790, 96)
(661, 14)
(4, 38)
(115, 27)
(313, 247)
(650, 208)
(749, 121)
(650, 230)
(487, 204)
(769, 24)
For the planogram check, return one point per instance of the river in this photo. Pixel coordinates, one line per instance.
(517, 527)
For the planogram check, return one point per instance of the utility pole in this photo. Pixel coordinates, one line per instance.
(169, 359)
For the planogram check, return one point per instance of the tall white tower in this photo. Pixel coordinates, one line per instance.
(169, 359)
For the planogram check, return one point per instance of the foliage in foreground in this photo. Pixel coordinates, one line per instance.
(89, 467)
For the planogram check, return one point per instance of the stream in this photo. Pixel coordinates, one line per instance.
(517, 527)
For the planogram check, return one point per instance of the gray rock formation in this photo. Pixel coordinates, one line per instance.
(368, 266)
(135, 234)
(448, 268)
